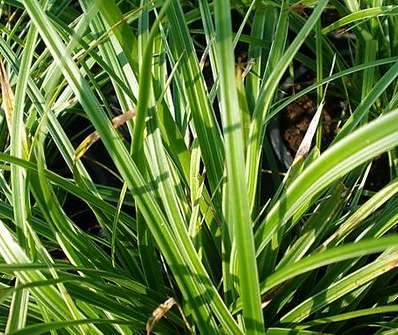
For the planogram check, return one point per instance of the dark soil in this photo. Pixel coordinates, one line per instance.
(379, 174)
(296, 119)
(294, 122)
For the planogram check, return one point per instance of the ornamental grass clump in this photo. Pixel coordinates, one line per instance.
(142, 192)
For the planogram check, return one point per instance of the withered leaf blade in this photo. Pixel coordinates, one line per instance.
(117, 122)
(121, 119)
(158, 313)
(305, 145)
(7, 95)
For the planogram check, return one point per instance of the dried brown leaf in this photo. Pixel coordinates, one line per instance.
(158, 313)
(7, 95)
(305, 145)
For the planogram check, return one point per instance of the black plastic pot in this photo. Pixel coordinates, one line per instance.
(278, 145)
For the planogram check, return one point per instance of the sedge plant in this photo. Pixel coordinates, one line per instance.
(139, 190)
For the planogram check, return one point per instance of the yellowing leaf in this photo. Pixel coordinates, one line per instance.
(86, 144)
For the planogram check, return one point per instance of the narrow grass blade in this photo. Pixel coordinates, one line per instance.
(347, 284)
(382, 310)
(238, 215)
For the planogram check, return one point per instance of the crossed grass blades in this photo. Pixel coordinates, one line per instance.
(139, 191)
